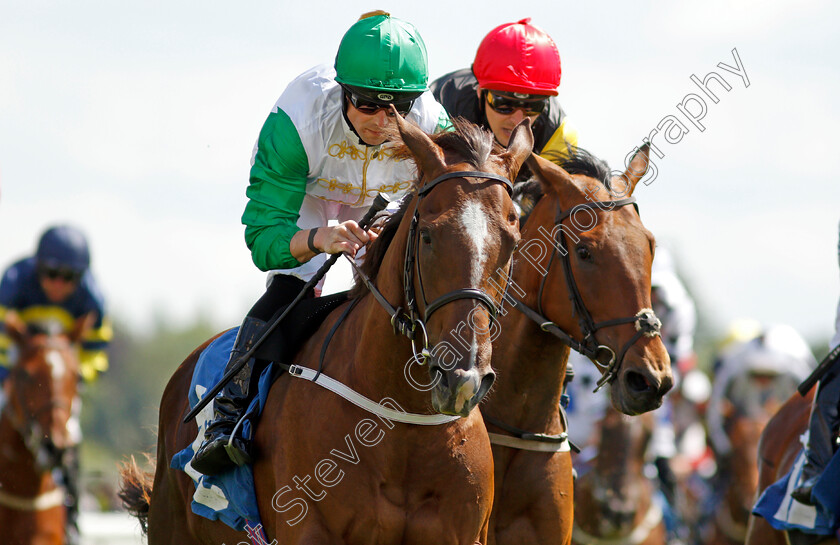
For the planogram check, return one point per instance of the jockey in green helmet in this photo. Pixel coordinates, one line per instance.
(323, 154)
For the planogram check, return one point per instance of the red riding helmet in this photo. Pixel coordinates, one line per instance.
(519, 58)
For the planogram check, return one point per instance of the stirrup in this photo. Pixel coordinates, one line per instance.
(237, 455)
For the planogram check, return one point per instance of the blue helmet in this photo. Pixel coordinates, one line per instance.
(65, 247)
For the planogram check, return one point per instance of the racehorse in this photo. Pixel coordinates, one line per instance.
(614, 500)
(39, 391)
(582, 279)
(752, 400)
(442, 258)
(777, 451)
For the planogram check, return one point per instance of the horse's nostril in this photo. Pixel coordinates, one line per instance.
(435, 371)
(486, 383)
(638, 382)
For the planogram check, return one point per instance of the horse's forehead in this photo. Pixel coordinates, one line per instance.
(57, 363)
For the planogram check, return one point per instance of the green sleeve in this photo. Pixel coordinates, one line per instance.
(444, 123)
(275, 193)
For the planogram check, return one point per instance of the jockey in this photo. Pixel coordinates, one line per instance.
(778, 351)
(323, 154)
(55, 286)
(515, 74)
(823, 424)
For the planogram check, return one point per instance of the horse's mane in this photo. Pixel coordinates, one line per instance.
(471, 143)
(579, 161)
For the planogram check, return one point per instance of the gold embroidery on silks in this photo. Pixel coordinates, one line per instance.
(346, 150)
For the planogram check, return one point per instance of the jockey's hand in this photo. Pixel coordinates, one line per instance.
(15, 326)
(345, 237)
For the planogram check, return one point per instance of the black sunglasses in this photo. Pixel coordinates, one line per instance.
(506, 105)
(369, 107)
(53, 273)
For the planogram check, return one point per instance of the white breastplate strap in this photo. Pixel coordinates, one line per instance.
(371, 406)
(47, 500)
(528, 444)
(639, 534)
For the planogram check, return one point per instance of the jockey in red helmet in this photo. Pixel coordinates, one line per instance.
(515, 75)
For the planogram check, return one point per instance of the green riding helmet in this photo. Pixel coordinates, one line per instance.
(384, 57)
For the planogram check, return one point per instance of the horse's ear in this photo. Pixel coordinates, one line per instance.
(428, 155)
(82, 325)
(519, 146)
(552, 176)
(635, 171)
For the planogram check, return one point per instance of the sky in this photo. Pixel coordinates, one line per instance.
(135, 121)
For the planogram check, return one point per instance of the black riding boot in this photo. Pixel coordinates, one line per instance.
(218, 453)
(822, 430)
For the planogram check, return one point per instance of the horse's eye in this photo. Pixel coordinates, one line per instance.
(583, 253)
(425, 236)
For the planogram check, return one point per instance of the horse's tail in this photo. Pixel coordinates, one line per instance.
(136, 491)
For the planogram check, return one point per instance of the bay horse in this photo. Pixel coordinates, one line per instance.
(753, 398)
(40, 390)
(399, 484)
(614, 500)
(584, 264)
(777, 452)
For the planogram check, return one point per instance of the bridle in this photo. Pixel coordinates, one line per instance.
(408, 324)
(646, 322)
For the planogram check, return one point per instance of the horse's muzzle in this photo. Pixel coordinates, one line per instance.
(458, 391)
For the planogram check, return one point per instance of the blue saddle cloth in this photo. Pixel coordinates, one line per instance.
(228, 497)
(784, 513)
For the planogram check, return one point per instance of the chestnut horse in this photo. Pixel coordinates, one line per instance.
(388, 482)
(614, 500)
(584, 264)
(39, 391)
(777, 451)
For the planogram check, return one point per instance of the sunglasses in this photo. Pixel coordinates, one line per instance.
(506, 105)
(369, 107)
(64, 274)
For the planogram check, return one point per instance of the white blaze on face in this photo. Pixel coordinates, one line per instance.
(56, 363)
(476, 225)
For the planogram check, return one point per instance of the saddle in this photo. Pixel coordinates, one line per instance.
(302, 322)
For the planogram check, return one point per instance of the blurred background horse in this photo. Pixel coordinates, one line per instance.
(34, 435)
(615, 501)
(753, 379)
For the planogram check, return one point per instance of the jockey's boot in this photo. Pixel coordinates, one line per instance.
(218, 453)
(822, 431)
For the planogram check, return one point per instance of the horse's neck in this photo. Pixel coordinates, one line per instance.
(619, 452)
(531, 365)
(17, 465)
(373, 357)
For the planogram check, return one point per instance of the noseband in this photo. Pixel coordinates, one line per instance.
(408, 325)
(645, 320)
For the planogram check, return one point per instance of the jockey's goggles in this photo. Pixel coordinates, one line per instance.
(384, 101)
(506, 103)
(55, 273)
